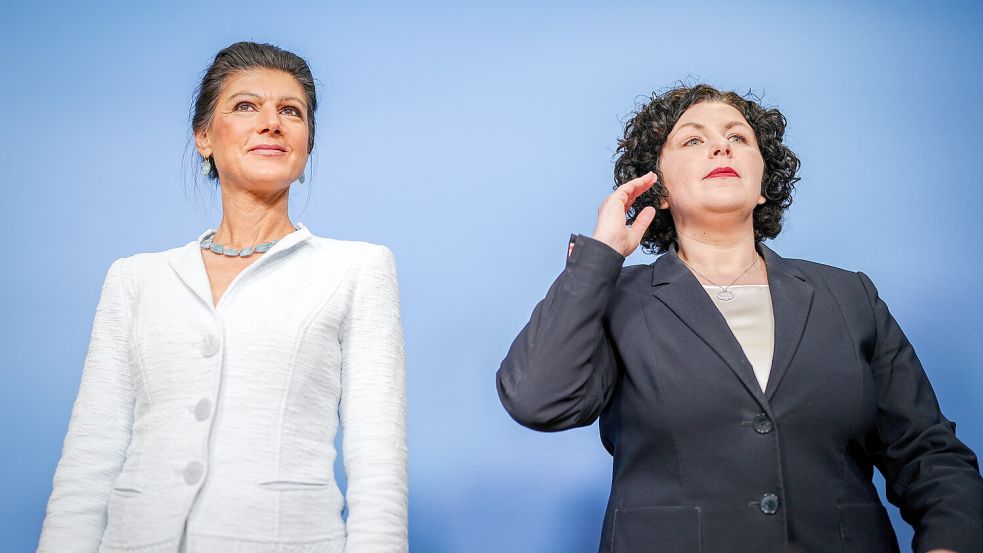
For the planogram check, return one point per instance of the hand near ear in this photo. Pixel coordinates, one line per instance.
(611, 228)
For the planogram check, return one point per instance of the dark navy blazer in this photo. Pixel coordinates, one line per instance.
(704, 461)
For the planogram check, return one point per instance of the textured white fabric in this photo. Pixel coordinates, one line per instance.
(211, 429)
(752, 320)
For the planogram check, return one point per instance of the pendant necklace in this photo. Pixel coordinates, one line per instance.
(724, 294)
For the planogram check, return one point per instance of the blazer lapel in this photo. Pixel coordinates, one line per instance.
(791, 300)
(190, 268)
(680, 291)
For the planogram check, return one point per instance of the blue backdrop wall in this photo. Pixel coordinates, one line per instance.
(473, 139)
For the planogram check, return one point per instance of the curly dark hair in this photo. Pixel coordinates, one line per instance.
(647, 130)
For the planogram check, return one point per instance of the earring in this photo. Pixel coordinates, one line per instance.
(302, 178)
(206, 167)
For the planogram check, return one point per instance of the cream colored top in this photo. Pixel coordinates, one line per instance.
(750, 317)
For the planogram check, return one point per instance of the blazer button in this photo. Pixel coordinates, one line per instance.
(762, 424)
(203, 409)
(209, 345)
(769, 504)
(193, 472)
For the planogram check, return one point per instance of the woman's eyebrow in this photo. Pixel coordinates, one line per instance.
(679, 129)
(691, 124)
(733, 123)
(727, 127)
(736, 123)
(260, 97)
(250, 94)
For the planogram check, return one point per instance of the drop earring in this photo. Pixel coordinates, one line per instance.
(302, 178)
(206, 167)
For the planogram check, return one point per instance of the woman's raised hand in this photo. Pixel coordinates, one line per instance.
(611, 228)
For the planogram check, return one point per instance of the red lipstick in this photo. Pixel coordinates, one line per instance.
(722, 172)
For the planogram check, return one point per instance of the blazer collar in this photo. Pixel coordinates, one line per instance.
(190, 267)
(791, 298)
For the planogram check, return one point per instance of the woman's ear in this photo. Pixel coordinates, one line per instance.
(203, 144)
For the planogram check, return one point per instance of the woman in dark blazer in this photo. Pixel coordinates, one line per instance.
(746, 398)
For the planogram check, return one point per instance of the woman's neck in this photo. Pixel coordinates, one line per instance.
(721, 256)
(249, 219)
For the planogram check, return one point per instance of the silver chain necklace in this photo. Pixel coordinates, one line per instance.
(724, 294)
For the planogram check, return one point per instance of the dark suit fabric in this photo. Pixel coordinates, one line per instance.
(696, 444)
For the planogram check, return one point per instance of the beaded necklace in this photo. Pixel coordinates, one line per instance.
(207, 244)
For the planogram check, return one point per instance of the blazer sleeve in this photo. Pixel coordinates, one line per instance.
(98, 432)
(931, 476)
(373, 410)
(561, 369)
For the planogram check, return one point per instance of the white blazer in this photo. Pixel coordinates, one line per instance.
(207, 429)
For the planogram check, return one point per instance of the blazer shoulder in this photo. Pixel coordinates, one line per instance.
(631, 272)
(353, 248)
(833, 277)
(152, 258)
(143, 259)
(353, 253)
(136, 268)
(852, 290)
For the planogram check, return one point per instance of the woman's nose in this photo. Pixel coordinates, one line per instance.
(270, 122)
(721, 147)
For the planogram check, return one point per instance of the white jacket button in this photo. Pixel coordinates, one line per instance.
(203, 409)
(209, 345)
(193, 472)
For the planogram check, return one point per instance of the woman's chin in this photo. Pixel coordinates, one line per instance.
(736, 206)
(264, 181)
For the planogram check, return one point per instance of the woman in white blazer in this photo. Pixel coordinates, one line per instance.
(218, 372)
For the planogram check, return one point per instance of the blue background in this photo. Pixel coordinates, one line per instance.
(472, 140)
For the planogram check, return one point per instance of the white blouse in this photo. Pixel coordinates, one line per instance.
(750, 317)
(203, 429)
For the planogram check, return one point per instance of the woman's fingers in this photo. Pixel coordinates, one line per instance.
(634, 188)
(641, 224)
(611, 228)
